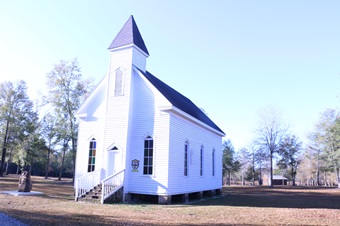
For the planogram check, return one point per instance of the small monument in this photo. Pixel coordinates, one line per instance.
(25, 183)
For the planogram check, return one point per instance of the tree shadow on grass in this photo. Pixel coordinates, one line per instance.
(278, 197)
(37, 218)
(43, 219)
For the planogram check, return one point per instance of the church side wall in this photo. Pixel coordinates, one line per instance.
(181, 131)
(147, 120)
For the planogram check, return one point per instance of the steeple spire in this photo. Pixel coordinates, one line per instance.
(128, 35)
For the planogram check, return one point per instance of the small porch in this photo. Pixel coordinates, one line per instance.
(90, 187)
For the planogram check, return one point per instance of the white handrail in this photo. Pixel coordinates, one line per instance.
(112, 184)
(87, 182)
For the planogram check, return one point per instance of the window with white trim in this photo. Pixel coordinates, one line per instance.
(148, 156)
(201, 161)
(119, 82)
(213, 162)
(92, 156)
(186, 158)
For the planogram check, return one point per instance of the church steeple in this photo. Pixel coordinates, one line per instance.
(128, 35)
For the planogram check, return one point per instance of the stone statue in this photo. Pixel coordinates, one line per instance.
(25, 183)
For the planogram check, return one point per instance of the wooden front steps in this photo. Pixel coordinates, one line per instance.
(94, 195)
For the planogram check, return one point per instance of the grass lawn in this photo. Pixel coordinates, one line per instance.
(236, 206)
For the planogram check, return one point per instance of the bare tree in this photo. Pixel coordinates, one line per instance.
(269, 133)
(252, 148)
(244, 157)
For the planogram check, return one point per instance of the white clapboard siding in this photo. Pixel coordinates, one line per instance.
(118, 107)
(146, 120)
(181, 131)
(90, 127)
(139, 59)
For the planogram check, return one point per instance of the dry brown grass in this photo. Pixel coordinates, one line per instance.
(237, 206)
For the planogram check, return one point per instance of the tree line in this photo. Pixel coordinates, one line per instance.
(41, 136)
(277, 151)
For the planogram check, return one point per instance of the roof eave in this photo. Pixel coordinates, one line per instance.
(129, 46)
(191, 118)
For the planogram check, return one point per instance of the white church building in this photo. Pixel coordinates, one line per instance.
(142, 138)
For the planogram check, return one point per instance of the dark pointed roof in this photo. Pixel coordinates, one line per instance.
(129, 34)
(179, 101)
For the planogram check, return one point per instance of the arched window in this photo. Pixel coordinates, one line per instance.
(119, 82)
(201, 161)
(92, 155)
(148, 156)
(186, 158)
(213, 162)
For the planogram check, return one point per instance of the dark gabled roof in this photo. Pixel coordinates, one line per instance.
(179, 101)
(129, 34)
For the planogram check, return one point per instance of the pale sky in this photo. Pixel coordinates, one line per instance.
(229, 57)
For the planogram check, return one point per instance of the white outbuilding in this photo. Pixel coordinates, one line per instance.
(142, 138)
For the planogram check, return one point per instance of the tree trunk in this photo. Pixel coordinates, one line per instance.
(260, 179)
(318, 171)
(62, 164)
(9, 162)
(253, 174)
(271, 168)
(73, 157)
(30, 168)
(6, 170)
(4, 150)
(18, 167)
(73, 141)
(229, 178)
(338, 177)
(48, 159)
